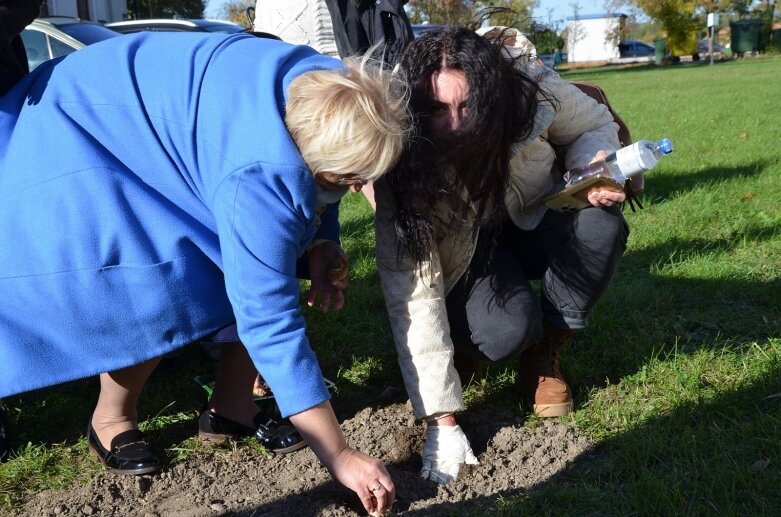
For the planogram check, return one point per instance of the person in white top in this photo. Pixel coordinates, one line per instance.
(303, 22)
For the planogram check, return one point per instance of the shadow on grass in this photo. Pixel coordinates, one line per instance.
(648, 306)
(669, 186)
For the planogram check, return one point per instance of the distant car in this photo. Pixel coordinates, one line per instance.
(703, 46)
(547, 60)
(634, 48)
(166, 25)
(550, 60)
(420, 28)
(55, 36)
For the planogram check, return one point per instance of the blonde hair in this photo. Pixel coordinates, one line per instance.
(352, 121)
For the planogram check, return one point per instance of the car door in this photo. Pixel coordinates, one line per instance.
(41, 47)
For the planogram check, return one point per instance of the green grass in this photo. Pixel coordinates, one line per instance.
(678, 378)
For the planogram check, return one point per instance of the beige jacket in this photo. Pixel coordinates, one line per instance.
(415, 297)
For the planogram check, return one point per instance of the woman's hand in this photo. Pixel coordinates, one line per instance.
(605, 197)
(602, 196)
(367, 477)
(328, 270)
(364, 475)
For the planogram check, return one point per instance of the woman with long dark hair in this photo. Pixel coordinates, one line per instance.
(462, 228)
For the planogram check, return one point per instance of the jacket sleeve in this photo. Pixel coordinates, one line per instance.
(15, 15)
(582, 126)
(415, 301)
(262, 230)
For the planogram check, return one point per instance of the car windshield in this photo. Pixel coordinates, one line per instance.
(87, 33)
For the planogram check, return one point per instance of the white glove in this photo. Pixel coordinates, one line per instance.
(445, 452)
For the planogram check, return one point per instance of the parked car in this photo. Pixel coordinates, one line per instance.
(703, 46)
(547, 60)
(634, 48)
(55, 36)
(166, 25)
(550, 60)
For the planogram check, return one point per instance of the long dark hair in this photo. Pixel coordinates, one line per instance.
(500, 111)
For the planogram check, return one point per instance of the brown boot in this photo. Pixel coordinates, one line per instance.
(539, 377)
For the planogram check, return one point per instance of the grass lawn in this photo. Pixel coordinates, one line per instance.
(678, 378)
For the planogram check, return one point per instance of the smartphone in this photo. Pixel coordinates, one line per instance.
(576, 197)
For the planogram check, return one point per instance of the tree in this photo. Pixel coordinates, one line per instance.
(445, 12)
(512, 13)
(141, 9)
(236, 12)
(680, 19)
(546, 40)
(725, 6)
(575, 31)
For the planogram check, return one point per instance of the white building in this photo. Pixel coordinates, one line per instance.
(594, 37)
(94, 10)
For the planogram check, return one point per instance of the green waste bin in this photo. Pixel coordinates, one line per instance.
(745, 35)
(660, 50)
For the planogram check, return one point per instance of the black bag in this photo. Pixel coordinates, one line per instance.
(359, 24)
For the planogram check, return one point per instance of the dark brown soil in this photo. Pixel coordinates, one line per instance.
(244, 482)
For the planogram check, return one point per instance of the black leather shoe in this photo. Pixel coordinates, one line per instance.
(130, 453)
(276, 437)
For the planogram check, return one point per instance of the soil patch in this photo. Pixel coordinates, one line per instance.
(243, 482)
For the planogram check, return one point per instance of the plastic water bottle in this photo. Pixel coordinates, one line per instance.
(625, 163)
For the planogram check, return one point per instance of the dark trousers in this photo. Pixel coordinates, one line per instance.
(494, 311)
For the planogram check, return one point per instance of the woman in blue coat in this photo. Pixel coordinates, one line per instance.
(155, 188)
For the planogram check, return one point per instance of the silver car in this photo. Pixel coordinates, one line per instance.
(166, 25)
(50, 37)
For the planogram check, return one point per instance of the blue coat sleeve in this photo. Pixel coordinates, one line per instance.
(263, 226)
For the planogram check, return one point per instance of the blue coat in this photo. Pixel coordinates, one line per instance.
(149, 195)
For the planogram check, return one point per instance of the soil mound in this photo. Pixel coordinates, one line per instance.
(243, 482)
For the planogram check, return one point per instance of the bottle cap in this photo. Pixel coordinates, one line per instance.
(665, 146)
